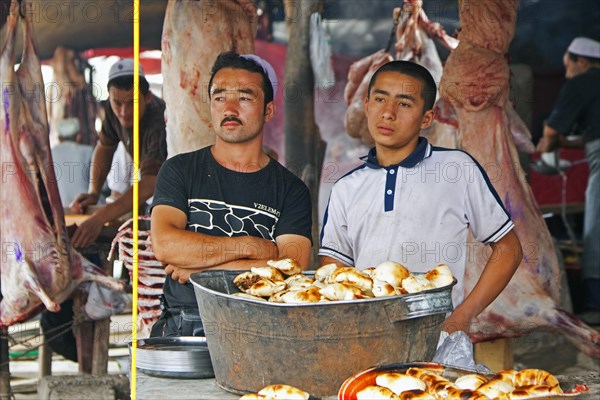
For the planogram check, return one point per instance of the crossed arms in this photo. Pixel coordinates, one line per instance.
(185, 252)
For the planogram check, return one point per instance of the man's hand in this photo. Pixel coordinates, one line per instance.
(182, 275)
(263, 249)
(550, 140)
(79, 205)
(87, 232)
(456, 322)
(548, 144)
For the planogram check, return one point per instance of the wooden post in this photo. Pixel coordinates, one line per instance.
(304, 148)
(5, 393)
(84, 334)
(44, 358)
(100, 347)
(92, 339)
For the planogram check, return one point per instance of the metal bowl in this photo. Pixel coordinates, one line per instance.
(313, 346)
(362, 379)
(174, 357)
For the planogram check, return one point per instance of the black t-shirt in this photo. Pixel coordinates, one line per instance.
(577, 106)
(223, 202)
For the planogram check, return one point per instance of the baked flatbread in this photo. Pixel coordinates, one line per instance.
(341, 291)
(323, 273)
(374, 392)
(352, 276)
(417, 283)
(391, 272)
(245, 280)
(265, 287)
(284, 392)
(268, 272)
(399, 383)
(495, 388)
(470, 381)
(288, 266)
(440, 276)
(299, 281)
(248, 296)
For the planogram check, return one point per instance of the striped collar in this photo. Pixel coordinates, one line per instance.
(421, 152)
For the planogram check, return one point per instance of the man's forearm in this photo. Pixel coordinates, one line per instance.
(124, 203)
(240, 264)
(186, 249)
(99, 168)
(323, 260)
(501, 266)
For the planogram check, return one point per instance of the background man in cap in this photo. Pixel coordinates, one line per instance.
(230, 205)
(71, 161)
(117, 126)
(578, 109)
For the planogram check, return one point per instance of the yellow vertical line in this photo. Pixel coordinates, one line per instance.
(136, 163)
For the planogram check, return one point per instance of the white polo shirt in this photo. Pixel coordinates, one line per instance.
(417, 213)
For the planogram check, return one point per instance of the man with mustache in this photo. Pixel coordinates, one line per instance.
(229, 205)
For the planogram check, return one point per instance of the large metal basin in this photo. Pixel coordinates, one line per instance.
(314, 347)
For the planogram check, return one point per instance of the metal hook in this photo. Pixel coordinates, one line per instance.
(21, 12)
(393, 33)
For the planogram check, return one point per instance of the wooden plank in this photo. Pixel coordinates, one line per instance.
(495, 354)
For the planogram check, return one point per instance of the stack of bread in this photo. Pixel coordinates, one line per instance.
(281, 281)
(422, 383)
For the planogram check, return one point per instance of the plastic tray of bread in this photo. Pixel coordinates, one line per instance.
(433, 381)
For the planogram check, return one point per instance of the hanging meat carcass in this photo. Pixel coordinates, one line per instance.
(415, 34)
(355, 120)
(70, 96)
(194, 34)
(475, 83)
(39, 266)
(414, 42)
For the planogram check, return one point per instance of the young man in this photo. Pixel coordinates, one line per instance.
(227, 206)
(578, 108)
(414, 203)
(117, 126)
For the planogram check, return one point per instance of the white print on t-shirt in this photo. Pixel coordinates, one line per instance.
(233, 220)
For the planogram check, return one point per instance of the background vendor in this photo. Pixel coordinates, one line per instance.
(117, 126)
(578, 109)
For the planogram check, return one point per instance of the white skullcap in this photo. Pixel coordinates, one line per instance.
(264, 64)
(585, 47)
(68, 128)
